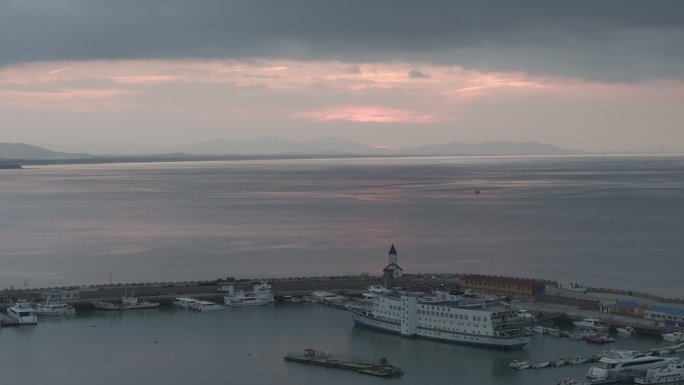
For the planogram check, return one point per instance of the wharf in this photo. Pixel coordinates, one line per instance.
(379, 368)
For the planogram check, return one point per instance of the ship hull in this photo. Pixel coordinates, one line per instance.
(370, 322)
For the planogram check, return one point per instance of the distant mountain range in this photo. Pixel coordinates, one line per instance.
(274, 147)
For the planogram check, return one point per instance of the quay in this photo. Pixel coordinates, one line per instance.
(378, 368)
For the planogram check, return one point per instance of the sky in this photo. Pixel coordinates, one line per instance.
(139, 74)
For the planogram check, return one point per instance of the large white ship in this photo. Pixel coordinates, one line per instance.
(261, 295)
(445, 317)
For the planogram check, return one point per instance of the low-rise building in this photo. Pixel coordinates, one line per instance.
(518, 287)
(665, 316)
(62, 294)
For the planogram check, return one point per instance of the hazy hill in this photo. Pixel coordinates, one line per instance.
(488, 148)
(27, 151)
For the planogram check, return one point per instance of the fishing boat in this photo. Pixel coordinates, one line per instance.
(127, 303)
(53, 308)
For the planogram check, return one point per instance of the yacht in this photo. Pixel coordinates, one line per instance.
(22, 313)
(53, 308)
(445, 317)
(260, 295)
(127, 303)
(626, 331)
(206, 306)
(591, 324)
(185, 302)
(320, 296)
(673, 372)
(674, 337)
(625, 363)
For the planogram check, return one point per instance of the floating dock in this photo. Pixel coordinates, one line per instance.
(378, 368)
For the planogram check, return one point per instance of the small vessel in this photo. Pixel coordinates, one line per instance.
(626, 331)
(671, 373)
(674, 337)
(539, 365)
(520, 365)
(127, 303)
(260, 295)
(599, 339)
(625, 363)
(22, 313)
(591, 324)
(185, 302)
(320, 296)
(206, 306)
(53, 308)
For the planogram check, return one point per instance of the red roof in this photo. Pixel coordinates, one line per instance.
(502, 280)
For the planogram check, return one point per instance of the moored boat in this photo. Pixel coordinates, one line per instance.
(674, 337)
(626, 364)
(22, 313)
(260, 295)
(53, 308)
(626, 331)
(127, 303)
(591, 324)
(673, 372)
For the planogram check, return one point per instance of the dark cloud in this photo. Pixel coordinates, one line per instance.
(353, 70)
(418, 74)
(608, 39)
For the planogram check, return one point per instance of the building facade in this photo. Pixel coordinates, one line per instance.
(665, 316)
(518, 287)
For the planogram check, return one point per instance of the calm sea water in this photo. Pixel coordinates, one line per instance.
(246, 346)
(604, 221)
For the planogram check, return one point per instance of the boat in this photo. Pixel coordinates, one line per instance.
(320, 296)
(591, 324)
(519, 365)
(185, 302)
(22, 313)
(260, 295)
(599, 339)
(53, 308)
(674, 337)
(539, 365)
(127, 303)
(444, 317)
(673, 372)
(625, 363)
(377, 368)
(626, 331)
(203, 306)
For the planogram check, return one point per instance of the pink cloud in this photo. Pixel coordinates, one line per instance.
(146, 79)
(366, 114)
(71, 99)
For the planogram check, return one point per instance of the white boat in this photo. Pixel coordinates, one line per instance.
(22, 313)
(519, 365)
(185, 302)
(625, 363)
(260, 295)
(591, 324)
(445, 317)
(626, 331)
(320, 296)
(206, 306)
(673, 372)
(674, 337)
(53, 308)
(374, 291)
(127, 303)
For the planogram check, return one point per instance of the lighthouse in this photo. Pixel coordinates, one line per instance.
(392, 270)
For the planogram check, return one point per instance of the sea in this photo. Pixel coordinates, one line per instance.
(604, 221)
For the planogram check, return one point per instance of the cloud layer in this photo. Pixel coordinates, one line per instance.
(606, 40)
